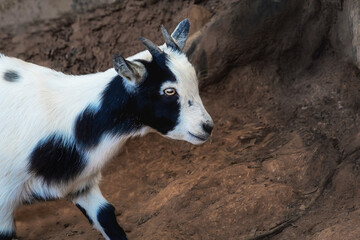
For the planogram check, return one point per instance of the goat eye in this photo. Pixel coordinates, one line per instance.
(170, 91)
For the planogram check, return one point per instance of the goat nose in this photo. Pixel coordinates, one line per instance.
(208, 127)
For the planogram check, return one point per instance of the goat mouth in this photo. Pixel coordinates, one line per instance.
(197, 137)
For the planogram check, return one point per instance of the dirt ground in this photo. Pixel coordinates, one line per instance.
(282, 162)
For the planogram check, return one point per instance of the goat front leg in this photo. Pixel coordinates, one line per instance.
(7, 224)
(100, 213)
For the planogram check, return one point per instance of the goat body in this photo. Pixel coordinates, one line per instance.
(57, 131)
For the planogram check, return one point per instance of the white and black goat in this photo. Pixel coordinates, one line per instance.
(57, 131)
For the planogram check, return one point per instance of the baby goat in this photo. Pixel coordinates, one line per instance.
(57, 131)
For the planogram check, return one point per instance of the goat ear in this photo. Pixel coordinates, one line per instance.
(181, 33)
(133, 71)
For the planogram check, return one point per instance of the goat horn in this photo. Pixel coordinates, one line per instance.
(169, 40)
(153, 49)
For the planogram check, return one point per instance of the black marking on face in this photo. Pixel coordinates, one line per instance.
(107, 219)
(157, 110)
(56, 160)
(85, 213)
(115, 115)
(7, 235)
(11, 76)
(190, 103)
(124, 112)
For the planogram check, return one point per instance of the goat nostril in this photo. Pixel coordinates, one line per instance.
(207, 127)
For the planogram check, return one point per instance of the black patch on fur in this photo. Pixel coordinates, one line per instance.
(35, 197)
(190, 103)
(80, 192)
(11, 76)
(56, 160)
(38, 197)
(7, 236)
(156, 110)
(107, 219)
(85, 213)
(115, 115)
(28, 202)
(123, 112)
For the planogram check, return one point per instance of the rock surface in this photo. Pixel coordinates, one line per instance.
(346, 32)
(283, 162)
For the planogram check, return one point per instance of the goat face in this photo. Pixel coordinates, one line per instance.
(194, 124)
(167, 93)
